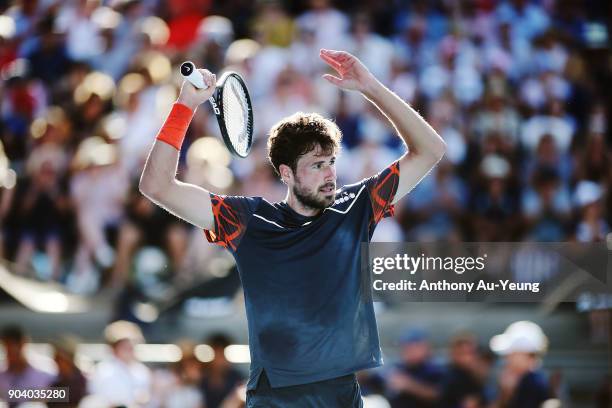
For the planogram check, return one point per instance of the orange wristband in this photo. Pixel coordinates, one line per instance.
(176, 124)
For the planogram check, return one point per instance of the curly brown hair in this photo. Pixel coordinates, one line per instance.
(297, 135)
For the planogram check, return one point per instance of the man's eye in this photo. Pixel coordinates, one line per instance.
(318, 165)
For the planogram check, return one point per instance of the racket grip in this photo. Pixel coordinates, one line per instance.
(191, 74)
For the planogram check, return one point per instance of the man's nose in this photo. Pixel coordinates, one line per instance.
(330, 174)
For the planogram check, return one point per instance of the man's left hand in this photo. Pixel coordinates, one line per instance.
(352, 74)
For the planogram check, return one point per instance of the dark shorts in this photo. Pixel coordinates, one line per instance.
(341, 392)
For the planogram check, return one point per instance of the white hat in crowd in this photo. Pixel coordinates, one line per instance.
(523, 336)
(587, 192)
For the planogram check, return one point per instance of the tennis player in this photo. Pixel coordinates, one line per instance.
(310, 327)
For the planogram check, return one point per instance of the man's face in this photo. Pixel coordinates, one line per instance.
(314, 182)
(124, 350)
(519, 362)
(13, 351)
(464, 354)
(415, 353)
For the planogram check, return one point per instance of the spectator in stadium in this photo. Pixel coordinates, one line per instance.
(19, 373)
(84, 41)
(99, 190)
(548, 156)
(185, 391)
(495, 205)
(37, 209)
(522, 383)
(136, 109)
(526, 18)
(291, 94)
(593, 162)
(25, 14)
(68, 374)
(271, 25)
(415, 381)
(462, 386)
(22, 101)
(183, 19)
(330, 26)
(546, 206)
(437, 204)
(445, 117)
(220, 378)
(375, 51)
(147, 225)
(412, 46)
(555, 123)
(497, 114)
(121, 31)
(592, 226)
(48, 58)
(122, 379)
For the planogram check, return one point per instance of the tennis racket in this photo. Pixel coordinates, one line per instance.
(232, 106)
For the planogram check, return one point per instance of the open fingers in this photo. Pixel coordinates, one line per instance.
(334, 64)
(332, 53)
(338, 56)
(334, 80)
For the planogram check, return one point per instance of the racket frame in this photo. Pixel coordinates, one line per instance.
(216, 100)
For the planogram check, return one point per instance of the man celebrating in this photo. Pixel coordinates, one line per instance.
(310, 316)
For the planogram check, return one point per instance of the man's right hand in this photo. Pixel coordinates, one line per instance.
(191, 96)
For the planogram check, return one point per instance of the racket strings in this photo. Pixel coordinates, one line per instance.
(236, 114)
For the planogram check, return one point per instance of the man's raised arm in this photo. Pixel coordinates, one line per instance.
(425, 146)
(158, 181)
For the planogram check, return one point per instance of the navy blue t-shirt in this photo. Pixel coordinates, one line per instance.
(427, 373)
(532, 390)
(307, 314)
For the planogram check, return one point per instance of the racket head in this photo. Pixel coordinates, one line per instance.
(234, 113)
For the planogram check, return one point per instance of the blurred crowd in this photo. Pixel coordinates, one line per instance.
(516, 88)
(508, 372)
(120, 379)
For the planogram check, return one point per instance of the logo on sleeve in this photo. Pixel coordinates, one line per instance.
(344, 197)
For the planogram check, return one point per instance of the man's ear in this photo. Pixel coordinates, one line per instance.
(286, 173)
